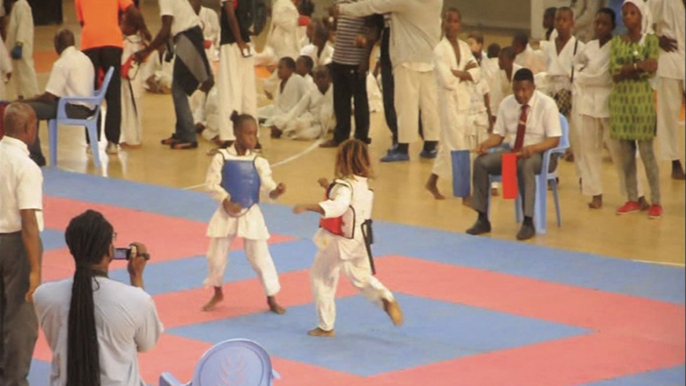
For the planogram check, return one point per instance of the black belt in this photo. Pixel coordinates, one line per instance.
(368, 237)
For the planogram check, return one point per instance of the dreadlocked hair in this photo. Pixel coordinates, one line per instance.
(89, 237)
(352, 159)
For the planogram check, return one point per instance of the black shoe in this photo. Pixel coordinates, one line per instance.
(526, 232)
(480, 227)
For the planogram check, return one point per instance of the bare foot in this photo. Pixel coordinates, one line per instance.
(217, 298)
(643, 203)
(274, 306)
(321, 333)
(467, 201)
(597, 202)
(393, 310)
(433, 188)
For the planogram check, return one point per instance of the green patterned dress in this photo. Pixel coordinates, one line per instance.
(632, 104)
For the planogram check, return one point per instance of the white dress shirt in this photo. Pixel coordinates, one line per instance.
(126, 322)
(184, 16)
(542, 122)
(249, 225)
(670, 20)
(21, 185)
(594, 79)
(72, 75)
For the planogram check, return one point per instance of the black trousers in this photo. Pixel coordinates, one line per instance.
(349, 83)
(103, 58)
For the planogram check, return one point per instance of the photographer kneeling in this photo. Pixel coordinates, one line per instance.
(94, 325)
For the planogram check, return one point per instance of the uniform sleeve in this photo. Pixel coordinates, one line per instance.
(338, 203)
(57, 83)
(30, 188)
(551, 121)
(166, 8)
(213, 180)
(267, 183)
(444, 77)
(475, 72)
(370, 7)
(149, 326)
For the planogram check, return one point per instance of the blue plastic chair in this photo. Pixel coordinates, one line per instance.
(91, 122)
(540, 207)
(234, 362)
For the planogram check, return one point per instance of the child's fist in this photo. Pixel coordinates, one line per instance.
(280, 189)
(299, 209)
(231, 207)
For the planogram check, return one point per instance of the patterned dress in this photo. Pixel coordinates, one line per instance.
(632, 104)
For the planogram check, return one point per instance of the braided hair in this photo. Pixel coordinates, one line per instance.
(89, 237)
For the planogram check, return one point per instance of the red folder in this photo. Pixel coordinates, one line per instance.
(509, 175)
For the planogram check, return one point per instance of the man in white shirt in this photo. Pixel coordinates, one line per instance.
(415, 32)
(95, 326)
(21, 220)
(532, 121)
(670, 20)
(72, 75)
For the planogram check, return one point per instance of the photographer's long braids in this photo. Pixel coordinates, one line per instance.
(89, 237)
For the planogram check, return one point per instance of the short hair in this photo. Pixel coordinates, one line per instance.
(239, 120)
(508, 52)
(452, 10)
(493, 50)
(288, 62)
(309, 63)
(550, 11)
(566, 9)
(521, 38)
(477, 36)
(524, 74)
(611, 13)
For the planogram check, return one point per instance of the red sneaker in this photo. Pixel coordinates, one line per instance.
(655, 211)
(629, 207)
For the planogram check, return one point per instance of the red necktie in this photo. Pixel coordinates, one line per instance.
(521, 130)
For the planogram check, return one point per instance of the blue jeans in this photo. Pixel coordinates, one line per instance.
(185, 130)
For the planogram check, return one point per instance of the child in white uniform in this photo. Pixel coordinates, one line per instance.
(131, 88)
(5, 69)
(345, 246)
(20, 45)
(292, 88)
(242, 172)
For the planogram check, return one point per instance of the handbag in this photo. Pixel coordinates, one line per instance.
(563, 98)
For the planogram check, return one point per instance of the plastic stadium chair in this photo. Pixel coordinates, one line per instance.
(234, 362)
(91, 122)
(542, 179)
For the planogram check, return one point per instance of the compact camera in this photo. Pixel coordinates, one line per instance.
(125, 253)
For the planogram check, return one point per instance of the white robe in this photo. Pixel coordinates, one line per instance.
(532, 59)
(282, 40)
(295, 89)
(319, 59)
(131, 92)
(311, 118)
(455, 101)
(20, 29)
(5, 69)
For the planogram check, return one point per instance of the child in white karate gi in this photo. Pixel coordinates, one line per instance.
(235, 179)
(344, 238)
(292, 88)
(20, 45)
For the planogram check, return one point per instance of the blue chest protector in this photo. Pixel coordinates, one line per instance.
(242, 181)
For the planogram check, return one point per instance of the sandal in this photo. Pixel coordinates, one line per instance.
(183, 145)
(170, 141)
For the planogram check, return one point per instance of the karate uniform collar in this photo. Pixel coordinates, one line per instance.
(11, 141)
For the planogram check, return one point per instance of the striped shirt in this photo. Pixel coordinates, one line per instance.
(347, 30)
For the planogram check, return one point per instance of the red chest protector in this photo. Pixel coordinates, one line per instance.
(344, 225)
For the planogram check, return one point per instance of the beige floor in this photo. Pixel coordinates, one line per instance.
(400, 194)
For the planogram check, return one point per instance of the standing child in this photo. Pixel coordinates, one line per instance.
(234, 179)
(131, 87)
(456, 72)
(342, 238)
(20, 45)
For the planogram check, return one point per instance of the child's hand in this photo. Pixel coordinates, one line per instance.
(280, 189)
(323, 182)
(299, 209)
(471, 65)
(231, 207)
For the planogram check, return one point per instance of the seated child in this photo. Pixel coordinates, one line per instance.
(292, 87)
(303, 67)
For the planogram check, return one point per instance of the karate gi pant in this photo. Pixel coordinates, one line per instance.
(670, 95)
(415, 91)
(131, 117)
(24, 77)
(259, 258)
(324, 275)
(236, 87)
(594, 134)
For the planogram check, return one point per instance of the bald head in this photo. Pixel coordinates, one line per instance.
(64, 39)
(21, 122)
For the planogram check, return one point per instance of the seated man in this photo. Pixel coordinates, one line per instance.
(95, 325)
(72, 76)
(532, 120)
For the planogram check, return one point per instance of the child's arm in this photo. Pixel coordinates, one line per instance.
(341, 197)
(269, 187)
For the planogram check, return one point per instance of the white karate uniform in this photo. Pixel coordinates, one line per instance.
(336, 253)
(311, 118)
(293, 91)
(131, 92)
(5, 69)
(595, 84)
(283, 40)
(670, 20)
(20, 29)
(454, 101)
(224, 228)
(236, 87)
(319, 59)
(209, 22)
(532, 59)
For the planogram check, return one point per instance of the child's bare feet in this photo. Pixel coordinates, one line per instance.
(597, 202)
(431, 186)
(321, 333)
(274, 306)
(393, 310)
(216, 298)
